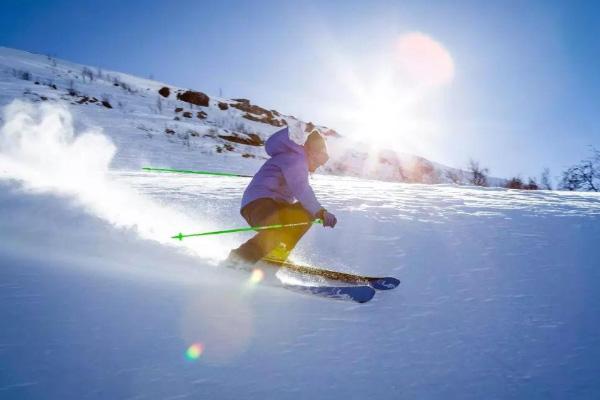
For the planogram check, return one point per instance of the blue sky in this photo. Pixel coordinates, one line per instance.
(524, 93)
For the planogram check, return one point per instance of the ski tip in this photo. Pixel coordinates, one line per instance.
(386, 283)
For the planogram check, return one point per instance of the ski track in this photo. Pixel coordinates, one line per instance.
(498, 299)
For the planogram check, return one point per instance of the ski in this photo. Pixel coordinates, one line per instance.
(359, 294)
(379, 283)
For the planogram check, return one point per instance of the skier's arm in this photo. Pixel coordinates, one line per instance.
(296, 177)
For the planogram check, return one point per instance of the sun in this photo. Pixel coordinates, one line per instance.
(390, 115)
(393, 106)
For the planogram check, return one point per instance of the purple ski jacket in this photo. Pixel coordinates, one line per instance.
(284, 176)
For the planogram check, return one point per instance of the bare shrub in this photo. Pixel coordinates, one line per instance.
(123, 85)
(478, 174)
(545, 180)
(531, 185)
(86, 72)
(514, 183)
(583, 176)
(71, 90)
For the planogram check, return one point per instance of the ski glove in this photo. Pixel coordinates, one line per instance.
(328, 218)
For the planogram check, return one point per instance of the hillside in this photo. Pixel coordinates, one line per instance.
(158, 124)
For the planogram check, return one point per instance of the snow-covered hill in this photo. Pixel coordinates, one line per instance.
(499, 299)
(181, 128)
(499, 296)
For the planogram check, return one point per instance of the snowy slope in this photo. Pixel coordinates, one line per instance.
(499, 296)
(149, 128)
(499, 300)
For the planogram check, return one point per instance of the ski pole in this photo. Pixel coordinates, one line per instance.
(187, 171)
(180, 236)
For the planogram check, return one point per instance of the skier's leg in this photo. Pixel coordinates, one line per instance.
(291, 214)
(258, 213)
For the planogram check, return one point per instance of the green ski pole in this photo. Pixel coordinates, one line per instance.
(187, 171)
(180, 236)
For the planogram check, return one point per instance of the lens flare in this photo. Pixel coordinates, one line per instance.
(257, 276)
(222, 340)
(194, 351)
(424, 60)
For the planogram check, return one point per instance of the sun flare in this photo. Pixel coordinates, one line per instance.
(395, 104)
(424, 60)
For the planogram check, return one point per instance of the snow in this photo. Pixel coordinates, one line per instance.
(499, 295)
(495, 305)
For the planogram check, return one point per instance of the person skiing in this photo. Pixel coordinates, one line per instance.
(270, 198)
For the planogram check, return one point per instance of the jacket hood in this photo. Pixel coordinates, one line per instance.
(280, 142)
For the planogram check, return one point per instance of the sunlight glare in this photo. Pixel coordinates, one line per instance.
(395, 106)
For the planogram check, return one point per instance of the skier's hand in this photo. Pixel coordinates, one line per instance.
(328, 218)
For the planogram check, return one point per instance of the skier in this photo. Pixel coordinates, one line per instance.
(271, 194)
